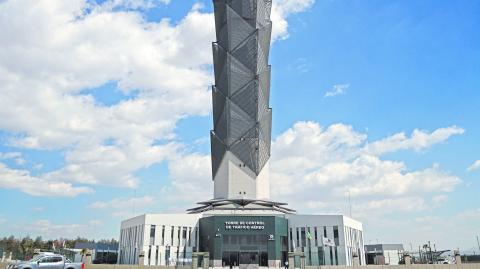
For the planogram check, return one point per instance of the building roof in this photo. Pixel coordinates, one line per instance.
(95, 246)
(240, 204)
(383, 247)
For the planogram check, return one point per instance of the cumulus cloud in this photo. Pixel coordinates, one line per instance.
(124, 207)
(48, 229)
(336, 161)
(23, 181)
(418, 140)
(340, 89)
(56, 55)
(314, 166)
(281, 10)
(474, 166)
(130, 4)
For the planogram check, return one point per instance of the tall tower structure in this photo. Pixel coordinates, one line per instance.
(241, 138)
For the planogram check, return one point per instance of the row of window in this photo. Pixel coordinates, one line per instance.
(304, 233)
(183, 234)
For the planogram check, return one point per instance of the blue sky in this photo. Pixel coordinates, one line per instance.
(105, 113)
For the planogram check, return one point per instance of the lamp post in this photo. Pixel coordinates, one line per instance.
(478, 243)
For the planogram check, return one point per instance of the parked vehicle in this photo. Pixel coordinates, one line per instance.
(443, 261)
(47, 261)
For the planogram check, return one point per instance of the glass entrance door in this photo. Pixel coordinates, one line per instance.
(249, 258)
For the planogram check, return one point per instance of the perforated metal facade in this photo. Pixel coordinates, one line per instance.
(241, 114)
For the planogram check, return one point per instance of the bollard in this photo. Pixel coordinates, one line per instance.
(141, 258)
(458, 258)
(206, 261)
(3, 256)
(356, 259)
(407, 259)
(9, 256)
(194, 261)
(88, 257)
(291, 262)
(302, 262)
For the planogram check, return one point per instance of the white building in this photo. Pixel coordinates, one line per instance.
(169, 239)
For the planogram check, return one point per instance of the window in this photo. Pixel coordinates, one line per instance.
(331, 255)
(46, 260)
(304, 237)
(316, 236)
(171, 236)
(321, 256)
(336, 256)
(163, 235)
(325, 231)
(184, 233)
(291, 240)
(298, 238)
(152, 234)
(57, 259)
(149, 254)
(335, 235)
(189, 236)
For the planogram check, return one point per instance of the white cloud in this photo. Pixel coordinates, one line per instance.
(191, 180)
(309, 159)
(281, 10)
(50, 52)
(124, 207)
(314, 166)
(23, 181)
(418, 140)
(339, 89)
(10, 155)
(474, 166)
(47, 229)
(130, 4)
(3, 220)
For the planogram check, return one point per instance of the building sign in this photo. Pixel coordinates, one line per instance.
(244, 225)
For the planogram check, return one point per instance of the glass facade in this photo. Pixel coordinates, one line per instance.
(243, 240)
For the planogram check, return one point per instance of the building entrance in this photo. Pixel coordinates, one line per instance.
(241, 258)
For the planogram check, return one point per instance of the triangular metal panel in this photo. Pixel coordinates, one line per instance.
(247, 98)
(264, 89)
(219, 60)
(264, 39)
(222, 36)
(221, 125)
(239, 122)
(219, 101)
(263, 154)
(247, 52)
(218, 149)
(265, 128)
(246, 9)
(262, 61)
(246, 150)
(268, 4)
(220, 15)
(238, 28)
(262, 13)
(240, 75)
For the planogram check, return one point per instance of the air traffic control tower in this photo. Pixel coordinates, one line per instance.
(242, 118)
(241, 226)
